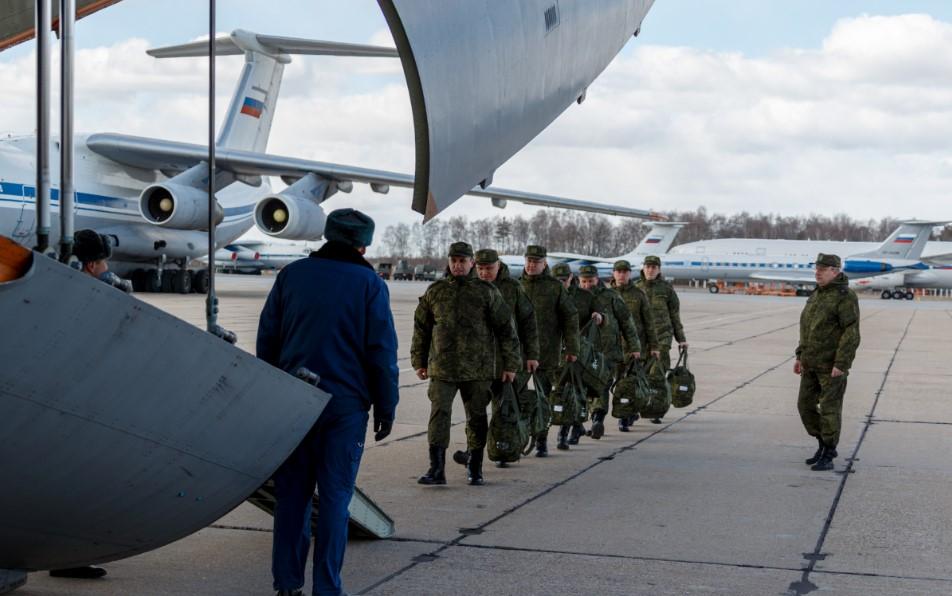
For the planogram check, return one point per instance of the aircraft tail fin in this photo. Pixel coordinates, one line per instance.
(906, 242)
(247, 124)
(657, 241)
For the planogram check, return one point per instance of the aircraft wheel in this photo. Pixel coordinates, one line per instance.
(909, 295)
(153, 281)
(200, 281)
(886, 295)
(713, 289)
(139, 280)
(181, 282)
(897, 295)
(167, 281)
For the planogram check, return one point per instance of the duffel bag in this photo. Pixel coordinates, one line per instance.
(508, 431)
(659, 392)
(566, 396)
(534, 408)
(681, 380)
(596, 373)
(631, 391)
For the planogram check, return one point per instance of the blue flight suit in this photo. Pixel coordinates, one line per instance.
(331, 314)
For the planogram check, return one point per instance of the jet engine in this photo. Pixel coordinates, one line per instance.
(180, 203)
(295, 213)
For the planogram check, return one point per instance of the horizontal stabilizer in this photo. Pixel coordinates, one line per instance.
(905, 243)
(241, 41)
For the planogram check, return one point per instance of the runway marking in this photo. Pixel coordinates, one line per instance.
(804, 585)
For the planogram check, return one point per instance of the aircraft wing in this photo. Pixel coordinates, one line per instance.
(170, 156)
(18, 23)
(568, 256)
(938, 260)
(793, 278)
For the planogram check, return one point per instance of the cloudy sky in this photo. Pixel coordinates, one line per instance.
(761, 105)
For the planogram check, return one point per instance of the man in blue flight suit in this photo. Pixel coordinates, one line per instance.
(331, 314)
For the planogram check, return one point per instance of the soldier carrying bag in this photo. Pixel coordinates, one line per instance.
(596, 373)
(567, 396)
(508, 431)
(681, 380)
(534, 409)
(659, 396)
(631, 391)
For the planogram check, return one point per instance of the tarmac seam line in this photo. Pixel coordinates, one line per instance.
(804, 586)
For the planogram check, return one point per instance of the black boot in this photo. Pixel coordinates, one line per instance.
(655, 421)
(576, 433)
(542, 450)
(475, 467)
(87, 572)
(502, 464)
(623, 424)
(825, 463)
(437, 472)
(461, 457)
(816, 456)
(598, 425)
(563, 444)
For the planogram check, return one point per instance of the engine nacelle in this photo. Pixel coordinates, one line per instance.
(294, 214)
(181, 203)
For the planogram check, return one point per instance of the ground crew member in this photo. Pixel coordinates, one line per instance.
(557, 320)
(829, 336)
(583, 300)
(459, 325)
(666, 309)
(614, 324)
(490, 269)
(329, 313)
(637, 302)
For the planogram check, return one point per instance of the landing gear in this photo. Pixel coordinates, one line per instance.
(181, 281)
(200, 281)
(170, 281)
(886, 295)
(909, 295)
(897, 295)
(713, 289)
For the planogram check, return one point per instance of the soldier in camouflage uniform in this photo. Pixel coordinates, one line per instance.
(829, 336)
(640, 308)
(614, 324)
(557, 321)
(459, 325)
(666, 308)
(490, 269)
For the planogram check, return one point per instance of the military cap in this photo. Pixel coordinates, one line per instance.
(828, 260)
(486, 256)
(350, 227)
(461, 249)
(653, 260)
(588, 271)
(622, 265)
(89, 246)
(535, 251)
(562, 271)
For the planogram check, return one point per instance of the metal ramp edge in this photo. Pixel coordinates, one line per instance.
(367, 519)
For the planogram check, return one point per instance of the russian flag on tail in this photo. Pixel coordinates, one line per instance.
(904, 239)
(653, 240)
(252, 107)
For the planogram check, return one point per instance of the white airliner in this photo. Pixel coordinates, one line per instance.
(150, 195)
(656, 242)
(255, 256)
(934, 269)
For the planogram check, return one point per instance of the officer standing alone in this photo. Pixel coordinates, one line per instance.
(829, 337)
(329, 313)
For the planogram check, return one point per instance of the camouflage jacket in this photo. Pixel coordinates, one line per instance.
(556, 317)
(666, 308)
(459, 326)
(583, 301)
(637, 302)
(522, 313)
(617, 324)
(829, 327)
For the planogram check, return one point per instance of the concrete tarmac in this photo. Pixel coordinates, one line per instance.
(716, 500)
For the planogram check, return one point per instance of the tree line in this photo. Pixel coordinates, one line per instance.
(598, 235)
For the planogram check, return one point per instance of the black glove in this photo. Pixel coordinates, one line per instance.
(382, 429)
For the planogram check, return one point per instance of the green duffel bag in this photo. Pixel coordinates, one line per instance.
(681, 380)
(596, 373)
(566, 396)
(659, 392)
(508, 431)
(631, 391)
(534, 409)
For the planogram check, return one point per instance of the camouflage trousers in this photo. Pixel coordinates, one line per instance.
(821, 405)
(476, 397)
(600, 401)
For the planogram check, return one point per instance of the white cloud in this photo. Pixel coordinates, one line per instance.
(858, 125)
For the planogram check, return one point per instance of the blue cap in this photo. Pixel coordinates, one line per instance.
(350, 227)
